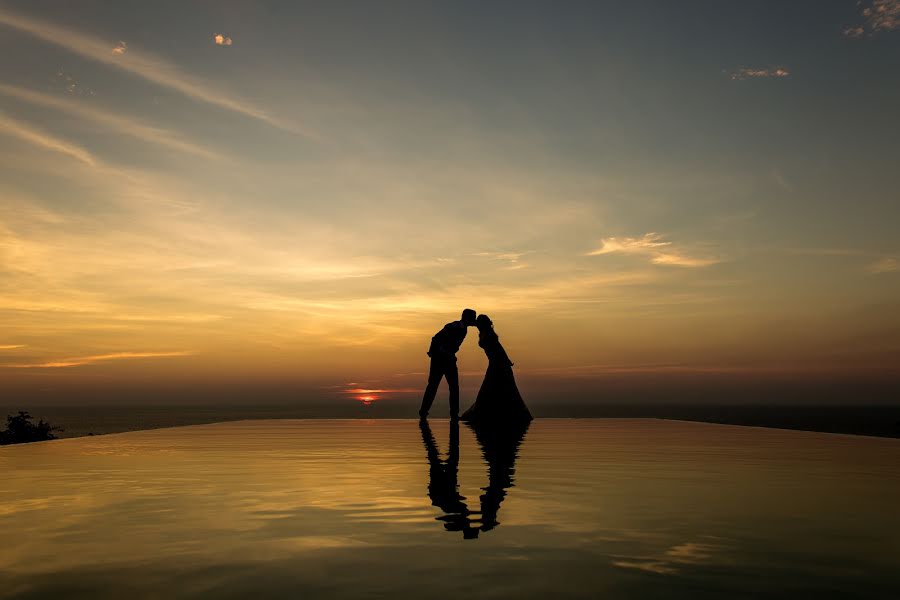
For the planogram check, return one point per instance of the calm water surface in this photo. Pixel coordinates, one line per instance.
(355, 509)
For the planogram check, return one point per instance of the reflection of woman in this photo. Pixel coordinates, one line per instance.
(500, 447)
(498, 399)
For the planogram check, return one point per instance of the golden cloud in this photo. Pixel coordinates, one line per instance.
(653, 245)
(680, 260)
(85, 360)
(884, 265)
(120, 48)
(39, 138)
(115, 123)
(222, 40)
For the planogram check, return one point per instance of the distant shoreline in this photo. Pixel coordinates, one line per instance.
(80, 421)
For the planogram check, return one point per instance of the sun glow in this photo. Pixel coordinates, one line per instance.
(370, 395)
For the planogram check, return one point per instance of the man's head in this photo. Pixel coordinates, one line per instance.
(468, 317)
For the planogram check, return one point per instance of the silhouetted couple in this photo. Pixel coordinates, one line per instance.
(498, 400)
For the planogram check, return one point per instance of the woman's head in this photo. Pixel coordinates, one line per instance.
(484, 323)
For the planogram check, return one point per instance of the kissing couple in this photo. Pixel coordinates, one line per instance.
(498, 400)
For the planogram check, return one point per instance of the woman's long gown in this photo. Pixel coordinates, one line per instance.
(498, 399)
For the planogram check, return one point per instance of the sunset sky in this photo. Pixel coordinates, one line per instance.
(197, 195)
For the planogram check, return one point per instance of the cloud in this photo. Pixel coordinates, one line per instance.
(221, 40)
(358, 390)
(11, 346)
(878, 16)
(759, 73)
(512, 258)
(649, 242)
(884, 265)
(878, 264)
(120, 48)
(826, 251)
(116, 123)
(854, 32)
(592, 371)
(151, 68)
(45, 140)
(680, 260)
(86, 360)
(653, 245)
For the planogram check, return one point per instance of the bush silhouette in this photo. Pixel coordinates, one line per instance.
(20, 430)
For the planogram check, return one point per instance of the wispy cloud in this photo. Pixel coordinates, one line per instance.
(759, 73)
(647, 243)
(592, 371)
(151, 68)
(42, 139)
(11, 346)
(359, 390)
(513, 259)
(655, 247)
(120, 48)
(682, 260)
(222, 40)
(878, 263)
(86, 360)
(878, 16)
(114, 122)
(884, 265)
(826, 251)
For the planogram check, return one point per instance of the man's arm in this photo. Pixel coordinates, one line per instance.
(447, 341)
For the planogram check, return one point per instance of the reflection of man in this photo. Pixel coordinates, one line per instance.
(443, 484)
(444, 346)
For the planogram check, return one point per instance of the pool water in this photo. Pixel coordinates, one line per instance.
(570, 508)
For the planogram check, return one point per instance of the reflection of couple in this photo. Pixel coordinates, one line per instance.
(498, 400)
(500, 446)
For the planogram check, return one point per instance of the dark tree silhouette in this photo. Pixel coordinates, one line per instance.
(20, 430)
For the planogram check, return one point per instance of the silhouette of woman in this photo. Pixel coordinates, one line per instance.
(498, 400)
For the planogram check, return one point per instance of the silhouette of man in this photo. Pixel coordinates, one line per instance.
(444, 346)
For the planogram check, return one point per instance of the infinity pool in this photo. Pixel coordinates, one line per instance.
(386, 508)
